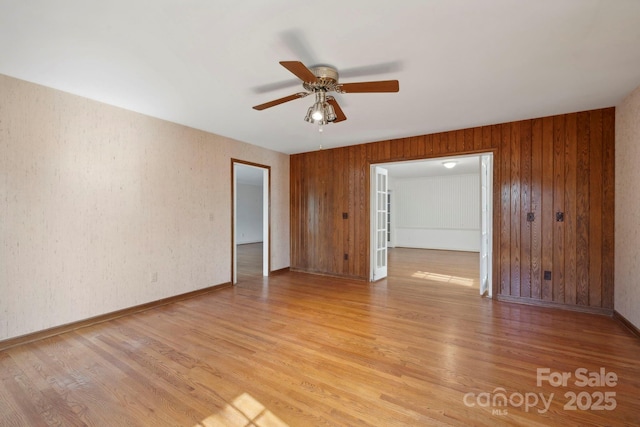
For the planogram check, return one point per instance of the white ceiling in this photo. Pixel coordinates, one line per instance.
(425, 168)
(205, 63)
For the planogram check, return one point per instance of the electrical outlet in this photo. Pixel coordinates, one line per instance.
(154, 277)
(346, 257)
(547, 275)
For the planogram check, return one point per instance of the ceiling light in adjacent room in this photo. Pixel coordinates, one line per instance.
(449, 164)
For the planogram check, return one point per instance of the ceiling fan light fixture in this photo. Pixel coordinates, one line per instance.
(318, 113)
(329, 112)
(315, 115)
(321, 112)
(308, 118)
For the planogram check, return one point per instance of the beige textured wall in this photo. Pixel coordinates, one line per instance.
(95, 199)
(627, 221)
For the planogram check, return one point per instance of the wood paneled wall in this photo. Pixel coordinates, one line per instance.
(563, 163)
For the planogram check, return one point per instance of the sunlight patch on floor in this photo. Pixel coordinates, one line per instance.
(463, 281)
(245, 410)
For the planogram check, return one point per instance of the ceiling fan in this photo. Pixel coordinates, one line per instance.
(321, 80)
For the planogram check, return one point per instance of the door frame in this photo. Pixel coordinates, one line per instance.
(266, 217)
(486, 223)
(373, 221)
(493, 200)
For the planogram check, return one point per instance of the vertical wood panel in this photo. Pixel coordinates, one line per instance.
(327, 251)
(415, 146)
(378, 149)
(349, 203)
(428, 145)
(477, 139)
(582, 210)
(329, 216)
(350, 247)
(441, 147)
(312, 206)
(400, 149)
(423, 146)
(468, 140)
(498, 173)
(340, 205)
(536, 208)
(511, 133)
(399, 152)
(362, 219)
(322, 240)
(385, 146)
(302, 216)
(460, 140)
(554, 164)
(525, 207)
(438, 143)
(451, 144)
(406, 148)
(369, 152)
(445, 145)
(496, 139)
(546, 215)
(396, 147)
(487, 141)
(505, 216)
(570, 217)
(558, 206)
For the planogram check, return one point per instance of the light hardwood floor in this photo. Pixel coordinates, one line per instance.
(418, 348)
(433, 266)
(249, 265)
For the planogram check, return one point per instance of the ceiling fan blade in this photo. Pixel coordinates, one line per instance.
(339, 113)
(369, 87)
(300, 70)
(280, 101)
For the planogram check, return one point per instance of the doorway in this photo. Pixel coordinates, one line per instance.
(250, 231)
(442, 204)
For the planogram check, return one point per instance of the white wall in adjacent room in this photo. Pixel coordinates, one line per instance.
(249, 213)
(438, 212)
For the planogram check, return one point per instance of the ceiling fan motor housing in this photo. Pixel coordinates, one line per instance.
(327, 79)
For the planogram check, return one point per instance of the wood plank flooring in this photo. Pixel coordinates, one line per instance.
(417, 348)
(444, 267)
(249, 265)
